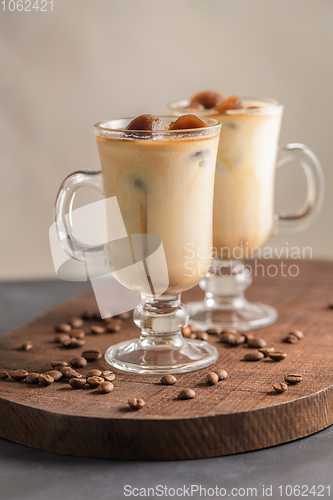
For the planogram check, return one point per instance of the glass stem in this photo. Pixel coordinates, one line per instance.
(161, 320)
(225, 283)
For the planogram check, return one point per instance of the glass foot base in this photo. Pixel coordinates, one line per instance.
(133, 356)
(248, 316)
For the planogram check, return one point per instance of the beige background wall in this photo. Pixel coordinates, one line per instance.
(90, 60)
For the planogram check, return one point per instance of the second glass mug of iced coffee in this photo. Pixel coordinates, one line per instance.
(163, 181)
(243, 215)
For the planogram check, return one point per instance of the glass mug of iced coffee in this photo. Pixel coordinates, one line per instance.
(162, 175)
(243, 215)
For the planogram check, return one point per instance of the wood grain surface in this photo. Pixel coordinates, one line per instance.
(239, 414)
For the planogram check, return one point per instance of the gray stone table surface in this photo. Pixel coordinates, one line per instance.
(29, 474)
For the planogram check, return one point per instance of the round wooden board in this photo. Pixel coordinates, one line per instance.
(237, 415)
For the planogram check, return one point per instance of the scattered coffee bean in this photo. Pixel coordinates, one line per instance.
(222, 374)
(114, 325)
(266, 351)
(45, 380)
(105, 387)
(124, 315)
(214, 331)
(108, 375)
(226, 338)
(88, 314)
(136, 403)
(256, 342)
(27, 346)
(186, 331)
(97, 330)
(253, 356)
(78, 362)
(55, 364)
(293, 379)
(193, 335)
(201, 335)
(77, 333)
(3, 374)
(32, 378)
(92, 355)
(61, 337)
(77, 383)
(73, 343)
(291, 339)
(280, 387)
(76, 322)
(18, 374)
(231, 331)
(63, 328)
(95, 381)
(55, 374)
(94, 373)
(168, 380)
(193, 327)
(70, 373)
(212, 378)
(237, 340)
(297, 333)
(186, 394)
(277, 356)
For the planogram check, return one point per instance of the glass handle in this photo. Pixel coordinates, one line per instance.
(303, 156)
(64, 205)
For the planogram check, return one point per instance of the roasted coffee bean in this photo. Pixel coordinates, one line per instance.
(253, 356)
(73, 343)
(256, 342)
(266, 351)
(297, 333)
(92, 355)
(76, 322)
(280, 387)
(123, 316)
(55, 364)
(97, 330)
(3, 374)
(186, 331)
(55, 374)
(193, 327)
(231, 331)
(18, 374)
(222, 374)
(114, 325)
(277, 356)
(186, 394)
(32, 378)
(45, 380)
(136, 403)
(94, 373)
(193, 335)
(78, 362)
(63, 328)
(77, 333)
(293, 379)
(27, 346)
(105, 387)
(226, 338)
(77, 383)
(108, 375)
(214, 331)
(70, 373)
(61, 337)
(212, 378)
(237, 340)
(95, 381)
(168, 380)
(291, 339)
(88, 314)
(201, 335)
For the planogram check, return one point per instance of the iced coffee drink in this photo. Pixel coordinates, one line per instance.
(163, 179)
(245, 169)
